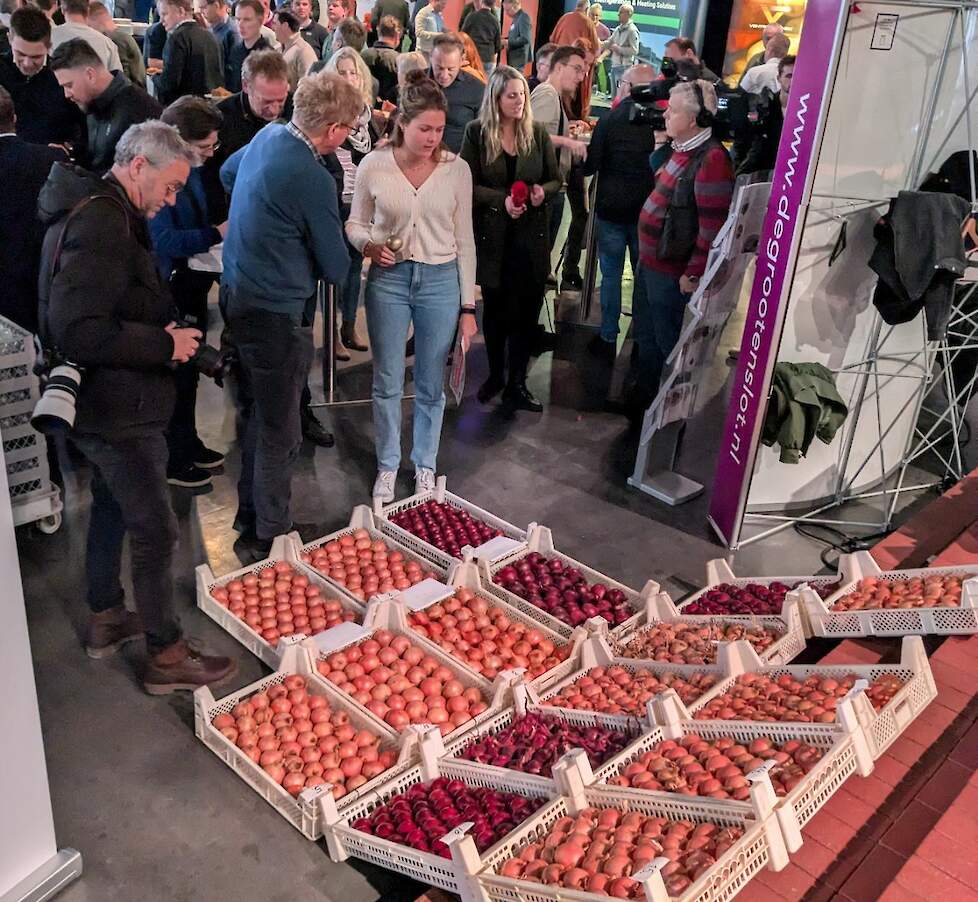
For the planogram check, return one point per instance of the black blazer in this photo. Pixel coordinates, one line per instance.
(193, 63)
(491, 188)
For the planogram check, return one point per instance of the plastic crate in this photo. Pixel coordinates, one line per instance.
(302, 812)
(282, 550)
(18, 401)
(940, 621)
(880, 727)
(385, 616)
(20, 440)
(762, 845)
(660, 609)
(15, 342)
(540, 540)
(718, 571)
(496, 549)
(361, 518)
(454, 875)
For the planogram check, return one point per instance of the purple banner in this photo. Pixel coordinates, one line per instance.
(776, 257)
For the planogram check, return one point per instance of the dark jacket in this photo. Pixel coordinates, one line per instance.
(381, 60)
(490, 184)
(120, 105)
(804, 405)
(153, 42)
(232, 67)
(756, 150)
(618, 154)
(192, 63)
(130, 55)
(27, 167)
(919, 256)
(482, 26)
(464, 96)
(519, 41)
(316, 36)
(185, 229)
(396, 8)
(107, 305)
(44, 114)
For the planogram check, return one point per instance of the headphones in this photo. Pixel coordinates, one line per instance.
(704, 118)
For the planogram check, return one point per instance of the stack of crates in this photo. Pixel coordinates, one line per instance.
(32, 496)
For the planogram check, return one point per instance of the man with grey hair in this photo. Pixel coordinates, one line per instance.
(770, 30)
(623, 44)
(280, 243)
(765, 76)
(105, 308)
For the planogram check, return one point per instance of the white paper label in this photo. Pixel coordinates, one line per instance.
(500, 546)
(339, 636)
(425, 593)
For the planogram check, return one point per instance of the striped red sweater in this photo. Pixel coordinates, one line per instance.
(712, 189)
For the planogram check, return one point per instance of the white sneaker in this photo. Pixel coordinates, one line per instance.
(384, 485)
(424, 480)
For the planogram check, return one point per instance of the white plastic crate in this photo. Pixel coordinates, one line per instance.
(880, 727)
(385, 616)
(718, 572)
(20, 440)
(938, 621)
(302, 812)
(283, 549)
(762, 845)
(361, 518)
(18, 401)
(540, 540)
(495, 549)
(455, 875)
(660, 609)
(15, 341)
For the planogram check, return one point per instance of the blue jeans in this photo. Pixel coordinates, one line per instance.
(427, 295)
(658, 317)
(614, 238)
(349, 291)
(616, 73)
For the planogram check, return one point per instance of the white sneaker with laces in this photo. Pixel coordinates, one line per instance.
(424, 480)
(384, 485)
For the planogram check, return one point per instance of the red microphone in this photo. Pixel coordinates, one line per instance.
(519, 194)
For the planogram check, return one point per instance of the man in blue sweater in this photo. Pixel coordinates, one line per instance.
(279, 242)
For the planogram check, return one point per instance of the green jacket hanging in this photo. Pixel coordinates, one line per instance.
(804, 404)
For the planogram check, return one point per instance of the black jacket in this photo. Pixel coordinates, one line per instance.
(316, 36)
(120, 105)
(919, 256)
(482, 26)
(464, 96)
(44, 114)
(192, 63)
(757, 151)
(491, 186)
(107, 305)
(232, 65)
(381, 60)
(27, 167)
(619, 155)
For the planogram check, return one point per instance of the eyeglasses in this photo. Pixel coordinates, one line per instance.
(578, 68)
(213, 146)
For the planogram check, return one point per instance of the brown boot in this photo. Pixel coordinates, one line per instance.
(180, 666)
(339, 352)
(109, 630)
(348, 332)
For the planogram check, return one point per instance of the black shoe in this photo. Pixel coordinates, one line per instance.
(250, 549)
(519, 397)
(188, 477)
(207, 459)
(489, 389)
(571, 282)
(409, 347)
(245, 526)
(315, 432)
(607, 350)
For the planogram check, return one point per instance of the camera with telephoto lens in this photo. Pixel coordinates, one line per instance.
(208, 360)
(55, 410)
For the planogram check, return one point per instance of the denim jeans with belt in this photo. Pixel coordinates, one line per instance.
(276, 352)
(614, 239)
(658, 317)
(428, 295)
(130, 494)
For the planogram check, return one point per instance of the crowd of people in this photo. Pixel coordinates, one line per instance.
(309, 148)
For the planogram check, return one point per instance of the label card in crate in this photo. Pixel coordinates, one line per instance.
(496, 548)
(339, 636)
(425, 593)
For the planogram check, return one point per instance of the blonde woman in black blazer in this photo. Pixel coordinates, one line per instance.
(503, 146)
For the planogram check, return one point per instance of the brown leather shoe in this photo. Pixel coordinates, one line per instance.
(350, 337)
(181, 666)
(109, 630)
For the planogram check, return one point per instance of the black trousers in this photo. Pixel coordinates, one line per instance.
(510, 315)
(276, 353)
(130, 494)
(190, 290)
(577, 197)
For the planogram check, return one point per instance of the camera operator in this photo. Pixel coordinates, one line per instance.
(105, 307)
(683, 50)
(759, 151)
(618, 155)
(680, 219)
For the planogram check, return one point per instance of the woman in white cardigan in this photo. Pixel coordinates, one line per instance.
(412, 216)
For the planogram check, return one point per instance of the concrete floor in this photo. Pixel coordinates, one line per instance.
(155, 814)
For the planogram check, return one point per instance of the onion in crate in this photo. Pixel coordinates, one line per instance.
(444, 526)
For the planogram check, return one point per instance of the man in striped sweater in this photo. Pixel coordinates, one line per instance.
(687, 206)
